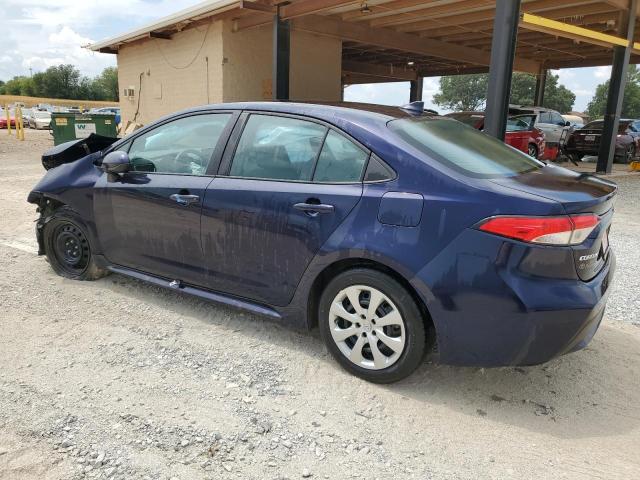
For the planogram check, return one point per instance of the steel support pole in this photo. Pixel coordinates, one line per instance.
(415, 94)
(616, 94)
(541, 83)
(281, 57)
(503, 49)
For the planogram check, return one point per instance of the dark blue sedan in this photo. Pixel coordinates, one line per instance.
(394, 231)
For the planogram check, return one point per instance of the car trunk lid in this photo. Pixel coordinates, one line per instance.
(577, 193)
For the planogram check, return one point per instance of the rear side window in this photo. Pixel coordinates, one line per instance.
(378, 171)
(278, 148)
(463, 148)
(340, 160)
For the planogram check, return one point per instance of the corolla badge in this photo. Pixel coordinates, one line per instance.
(584, 258)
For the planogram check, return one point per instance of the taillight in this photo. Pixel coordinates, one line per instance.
(564, 230)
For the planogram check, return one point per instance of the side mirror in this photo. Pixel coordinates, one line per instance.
(567, 124)
(116, 162)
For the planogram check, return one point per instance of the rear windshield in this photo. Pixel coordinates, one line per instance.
(598, 125)
(471, 119)
(463, 148)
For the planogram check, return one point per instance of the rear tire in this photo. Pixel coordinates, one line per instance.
(67, 246)
(388, 341)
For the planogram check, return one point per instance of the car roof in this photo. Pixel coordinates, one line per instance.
(328, 111)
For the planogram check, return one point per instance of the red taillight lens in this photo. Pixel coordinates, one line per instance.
(565, 230)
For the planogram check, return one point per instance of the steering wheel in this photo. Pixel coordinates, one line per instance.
(184, 159)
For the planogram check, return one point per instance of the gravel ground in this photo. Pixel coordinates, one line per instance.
(121, 380)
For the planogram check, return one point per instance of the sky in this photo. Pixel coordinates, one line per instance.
(42, 33)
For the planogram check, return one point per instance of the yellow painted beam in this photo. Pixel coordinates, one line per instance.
(561, 29)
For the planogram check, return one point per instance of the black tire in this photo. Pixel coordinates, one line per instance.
(67, 246)
(414, 326)
(532, 151)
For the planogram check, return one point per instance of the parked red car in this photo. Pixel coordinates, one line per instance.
(3, 119)
(521, 133)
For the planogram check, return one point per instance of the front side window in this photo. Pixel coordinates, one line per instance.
(278, 148)
(463, 148)
(544, 117)
(557, 119)
(340, 160)
(184, 146)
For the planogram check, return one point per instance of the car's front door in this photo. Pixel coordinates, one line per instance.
(286, 187)
(148, 219)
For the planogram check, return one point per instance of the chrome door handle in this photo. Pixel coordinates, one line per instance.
(314, 208)
(185, 200)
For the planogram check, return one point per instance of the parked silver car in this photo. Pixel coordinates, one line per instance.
(548, 120)
(40, 120)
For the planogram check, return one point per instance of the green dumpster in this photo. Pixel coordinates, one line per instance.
(72, 126)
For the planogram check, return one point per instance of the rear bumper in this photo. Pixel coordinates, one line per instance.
(501, 316)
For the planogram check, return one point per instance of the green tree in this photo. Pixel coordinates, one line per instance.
(630, 101)
(1, 87)
(108, 81)
(556, 96)
(61, 81)
(19, 86)
(462, 92)
(469, 92)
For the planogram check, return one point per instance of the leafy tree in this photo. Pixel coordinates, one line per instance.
(469, 92)
(65, 81)
(556, 96)
(630, 101)
(462, 92)
(61, 81)
(108, 81)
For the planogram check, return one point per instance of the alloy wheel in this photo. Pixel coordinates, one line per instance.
(367, 327)
(533, 151)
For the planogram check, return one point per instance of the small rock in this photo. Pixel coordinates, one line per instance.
(306, 473)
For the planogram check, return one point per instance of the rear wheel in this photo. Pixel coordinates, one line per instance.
(372, 326)
(532, 150)
(68, 248)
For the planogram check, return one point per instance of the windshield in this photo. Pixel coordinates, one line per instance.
(463, 148)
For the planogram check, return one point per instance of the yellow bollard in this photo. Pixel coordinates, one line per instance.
(6, 111)
(19, 124)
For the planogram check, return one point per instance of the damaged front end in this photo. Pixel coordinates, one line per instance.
(70, 151)
(72, 171)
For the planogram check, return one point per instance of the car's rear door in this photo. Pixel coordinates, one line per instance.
(148, 219)
(285, 184)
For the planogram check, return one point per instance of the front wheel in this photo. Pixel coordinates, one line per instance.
(532, 150)
(68, 248)
(372, 325)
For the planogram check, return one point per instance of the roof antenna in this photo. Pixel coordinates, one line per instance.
(414, 108)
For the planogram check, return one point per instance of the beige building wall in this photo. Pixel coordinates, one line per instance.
(315, 69)
(173, 73)
(170, 75)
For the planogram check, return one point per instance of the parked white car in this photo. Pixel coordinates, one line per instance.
(40, 120)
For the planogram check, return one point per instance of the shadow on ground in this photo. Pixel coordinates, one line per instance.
(590, 393)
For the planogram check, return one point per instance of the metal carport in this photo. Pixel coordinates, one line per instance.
(407, 40)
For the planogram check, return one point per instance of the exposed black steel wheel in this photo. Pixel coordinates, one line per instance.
(68, 248)
(532, 150)
(372, 325)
